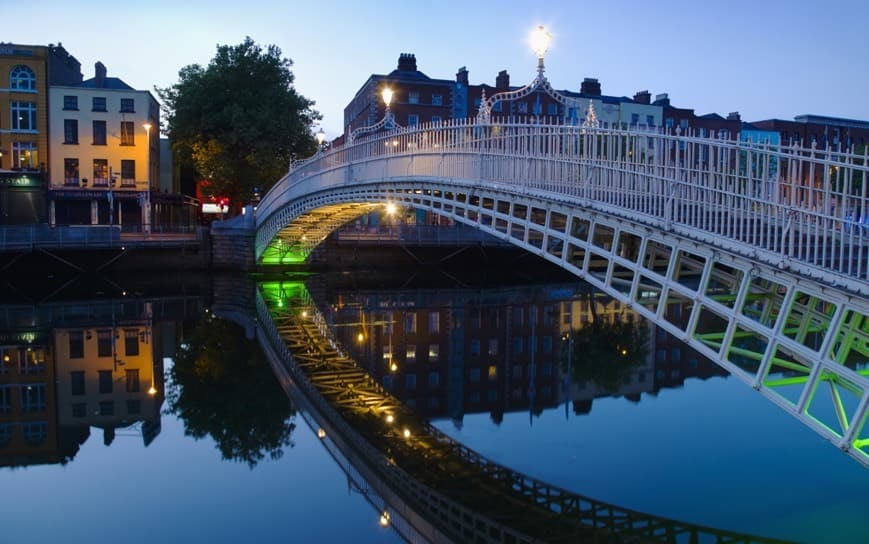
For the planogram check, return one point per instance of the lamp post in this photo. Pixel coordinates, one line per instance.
(321, 137)
(388, 121)
(146, 202)
(539, 40)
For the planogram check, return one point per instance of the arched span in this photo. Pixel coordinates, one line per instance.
(734, 264)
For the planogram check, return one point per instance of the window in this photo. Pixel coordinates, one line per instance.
(437, 100)
(436, 119)
(474, 375)
(492, 351)
(532, 344)
(410, 322)
(5, 399)
(99, 103)
(410, 353)
(412, 120)
(33, 361)
(131, 342)
(410, 381)
(76, 343)
(35, 432)
(24, 155)
(70, 102)
(105, 381)
(434, 351)
(33, 397)
(434, 322)
(724, 134)
(546, 371)
(517, 371)
(127, 105)
(413, 97)
(475, 347)
(70, 131)
(498, 106)
(79, 409)
(134, 407)
(493, 373)
(492, 395)
(22, 78)
(132, 381)
(128, 172)
(101, 173)
(99, 133)
(5, 434)
(128, 136)
(635, 118)
(104, 343)
(107, 408)
(23, 116)
(650, 120)
(518, 317)
(547, 344)
(552, 109)
(538, 108)
(668, 122)
(77, 382)
(70, 176)
(683, 123)
(517, 344)
(434, 379)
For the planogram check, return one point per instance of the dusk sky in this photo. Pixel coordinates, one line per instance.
(763, 58)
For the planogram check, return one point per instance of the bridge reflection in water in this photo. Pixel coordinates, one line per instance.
(428, 486)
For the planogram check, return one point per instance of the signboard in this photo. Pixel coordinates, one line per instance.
(214, 207)
(17, 179)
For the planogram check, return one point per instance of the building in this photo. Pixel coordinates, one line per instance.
(819, 130)
(104, 154)
(28, 70)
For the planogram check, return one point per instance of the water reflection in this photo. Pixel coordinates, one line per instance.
(225, 390)
(67, 368)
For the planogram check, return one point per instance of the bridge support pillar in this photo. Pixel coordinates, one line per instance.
(232, 243)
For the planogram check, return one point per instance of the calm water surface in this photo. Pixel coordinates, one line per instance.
(228, 458)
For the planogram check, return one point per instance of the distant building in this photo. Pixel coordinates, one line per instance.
(104, 154)
(807, 130)
(26, 72)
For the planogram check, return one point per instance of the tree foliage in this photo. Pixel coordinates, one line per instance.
(239, 120)
(224, 388)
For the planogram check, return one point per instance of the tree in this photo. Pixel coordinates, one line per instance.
(223, 387)
(239, 121)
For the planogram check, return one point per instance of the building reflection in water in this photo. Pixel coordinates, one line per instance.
(69, 367)
(447, 353)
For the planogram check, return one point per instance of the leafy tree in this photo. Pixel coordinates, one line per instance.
(239, 120)
(224, 387)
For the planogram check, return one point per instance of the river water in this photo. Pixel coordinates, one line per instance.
(138, 416)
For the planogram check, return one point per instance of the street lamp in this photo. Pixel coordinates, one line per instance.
(146, 200)
(321, 137)
(539, 40)
(388, 121)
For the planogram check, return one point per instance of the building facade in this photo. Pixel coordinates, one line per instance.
(104, 153)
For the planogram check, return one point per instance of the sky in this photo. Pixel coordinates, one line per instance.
(762, 58)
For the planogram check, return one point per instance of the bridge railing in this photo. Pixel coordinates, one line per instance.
(799, 206)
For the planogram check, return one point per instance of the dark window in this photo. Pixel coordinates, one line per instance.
(77, 380)
(128, 172)
(33, 397)
(79, 409)
(76, 344)
(23, 115)
(107, 408)
(22, 78)
(105, 381)
(70, 171)
(70, 102)
(133, 381)
(99, 103)
(127, 105)
(131, 342)
(70, 131)
(134, 407)
(128, 136)
(104, 343)
(99, 133)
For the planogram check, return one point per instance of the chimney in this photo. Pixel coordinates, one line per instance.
(590, 86)
(100, 74)
(662, 99)
(503, 80)
(733, 116)
(643, 97)
(407, 62)
(462, 76)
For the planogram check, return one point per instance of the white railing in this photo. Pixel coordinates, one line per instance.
(800, 206)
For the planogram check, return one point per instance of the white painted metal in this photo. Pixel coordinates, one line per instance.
(789, 216)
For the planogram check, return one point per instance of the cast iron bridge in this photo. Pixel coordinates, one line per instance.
(428, 486)
(756, 255)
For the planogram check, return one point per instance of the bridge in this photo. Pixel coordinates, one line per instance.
(753, 254)
(429, 487)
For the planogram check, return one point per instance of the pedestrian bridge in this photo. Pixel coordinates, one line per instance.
(753, 254)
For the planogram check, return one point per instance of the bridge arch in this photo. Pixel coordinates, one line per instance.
(775, 292)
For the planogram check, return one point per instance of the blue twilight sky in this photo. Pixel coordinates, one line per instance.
(763, 58)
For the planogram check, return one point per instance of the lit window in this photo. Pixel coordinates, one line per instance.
(24, 155)
(101, 173)
(128, 134)
(410, 353)
(70, 177)
(23, 116)
(22, 78)
(493, 373)
(433, 352)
